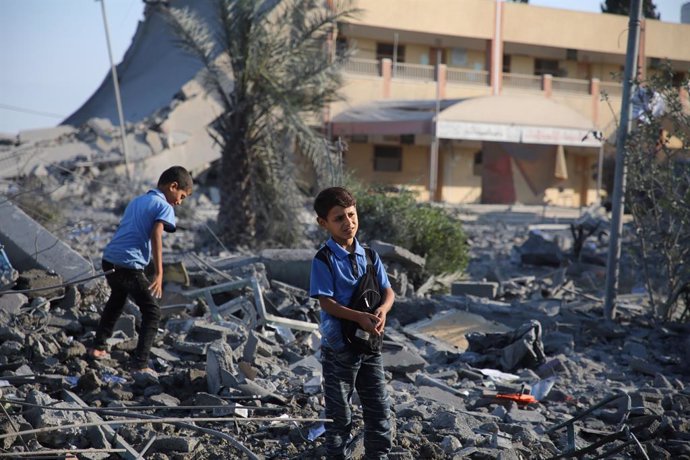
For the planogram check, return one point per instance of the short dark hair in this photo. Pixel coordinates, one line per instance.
(176, 174)
(330, 197)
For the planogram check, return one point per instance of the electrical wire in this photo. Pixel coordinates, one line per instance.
(14, 108)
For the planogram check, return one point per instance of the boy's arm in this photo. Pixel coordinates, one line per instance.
(366, 321)
(156, 287)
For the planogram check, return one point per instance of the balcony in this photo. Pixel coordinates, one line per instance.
(414, 72)
(463, 76)
(611, 88)
(458, 76)
(570, 85)
(371, 67)
(520, 81)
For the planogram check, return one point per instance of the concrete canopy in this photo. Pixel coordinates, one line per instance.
(389, 117)
(516, 118)
(505, 118)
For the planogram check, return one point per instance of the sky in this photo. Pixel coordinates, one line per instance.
(54, 53)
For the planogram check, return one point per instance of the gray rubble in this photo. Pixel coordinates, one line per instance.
(239, 340)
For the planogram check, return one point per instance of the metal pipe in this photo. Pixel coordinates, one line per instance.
(127, 408)
(613, 258)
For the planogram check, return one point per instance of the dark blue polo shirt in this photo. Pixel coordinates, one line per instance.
(340, 285)
(131, 244)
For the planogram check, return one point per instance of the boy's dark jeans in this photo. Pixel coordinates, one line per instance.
(124, 282)
(343, 371)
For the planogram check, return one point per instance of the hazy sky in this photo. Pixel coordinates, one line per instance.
(54, 54)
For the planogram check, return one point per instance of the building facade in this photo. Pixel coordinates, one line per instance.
(445, 96)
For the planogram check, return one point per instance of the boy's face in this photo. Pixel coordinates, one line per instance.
(341, 223)
(174, 194)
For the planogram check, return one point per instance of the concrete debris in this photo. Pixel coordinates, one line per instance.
(240, 339)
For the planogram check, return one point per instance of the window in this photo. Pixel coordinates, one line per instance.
(477, 164)
(458, 57)
(387, 50)
(341, 45)
(387, 158)
(506, 63)
(544, 66)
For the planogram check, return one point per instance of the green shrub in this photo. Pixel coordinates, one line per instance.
(396, 217)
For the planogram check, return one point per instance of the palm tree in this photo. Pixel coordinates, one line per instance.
(270, 64)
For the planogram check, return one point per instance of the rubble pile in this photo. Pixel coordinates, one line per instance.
(514, 362)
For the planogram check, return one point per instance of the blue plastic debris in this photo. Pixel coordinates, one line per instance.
(316, 431)
(112, 378)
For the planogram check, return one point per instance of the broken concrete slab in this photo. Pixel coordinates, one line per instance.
(44, 134)
(393, 253)
(30, 245)
(487, 289)
(10, 303)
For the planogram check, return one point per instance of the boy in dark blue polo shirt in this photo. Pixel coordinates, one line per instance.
(138, 237)
(345, 369)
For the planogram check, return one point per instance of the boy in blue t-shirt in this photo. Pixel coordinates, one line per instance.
(345, 369)
(138, 237)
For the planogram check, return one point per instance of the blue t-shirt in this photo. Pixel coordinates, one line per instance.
(131, 244)
(340, 285)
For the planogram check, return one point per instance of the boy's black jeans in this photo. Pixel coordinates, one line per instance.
(343, 371)
(129, 282)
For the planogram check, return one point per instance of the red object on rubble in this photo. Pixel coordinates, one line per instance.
(518, 398)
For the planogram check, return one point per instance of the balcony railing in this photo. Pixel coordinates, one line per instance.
(414, 72)
(370, 67)
(464, 76)
(420, 72)
(611, 88)
(570, 85)
(514, 80)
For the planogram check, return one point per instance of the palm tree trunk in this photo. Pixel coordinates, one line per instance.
(237, 214)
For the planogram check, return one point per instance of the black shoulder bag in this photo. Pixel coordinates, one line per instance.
(365, 298)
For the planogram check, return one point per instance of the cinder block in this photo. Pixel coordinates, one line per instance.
(487, 289)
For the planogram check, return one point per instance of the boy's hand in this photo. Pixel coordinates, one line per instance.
(369, 322)
(381, 315)
(156, 287)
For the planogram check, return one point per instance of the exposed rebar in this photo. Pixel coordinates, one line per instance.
(170, 420)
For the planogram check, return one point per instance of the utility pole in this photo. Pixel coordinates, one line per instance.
(116, 84)
(433, 160)
(612, 263)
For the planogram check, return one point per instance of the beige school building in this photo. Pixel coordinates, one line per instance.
(484, 101)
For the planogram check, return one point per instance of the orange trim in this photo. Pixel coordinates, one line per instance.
(518, 398)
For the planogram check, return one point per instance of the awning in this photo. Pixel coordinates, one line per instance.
(506, 118)
(516, 118)
(389, 117)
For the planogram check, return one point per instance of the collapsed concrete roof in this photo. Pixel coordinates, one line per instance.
(152, 71)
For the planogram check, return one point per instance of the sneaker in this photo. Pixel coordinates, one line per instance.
(95, 353)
